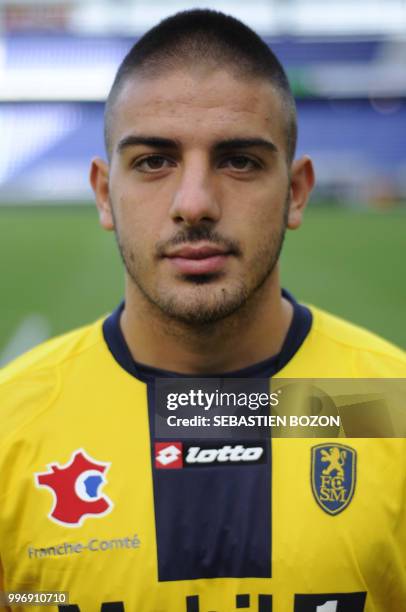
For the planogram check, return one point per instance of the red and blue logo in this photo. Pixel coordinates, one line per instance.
(76, 488)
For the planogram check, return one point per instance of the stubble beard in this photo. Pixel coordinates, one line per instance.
(207, 300)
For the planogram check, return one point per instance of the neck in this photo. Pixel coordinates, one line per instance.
(252, 334)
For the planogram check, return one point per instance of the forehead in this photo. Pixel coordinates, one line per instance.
(193, 106)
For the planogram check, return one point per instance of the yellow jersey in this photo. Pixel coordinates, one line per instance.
(92, 504)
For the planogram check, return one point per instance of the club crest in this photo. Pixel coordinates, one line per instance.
(333, 476)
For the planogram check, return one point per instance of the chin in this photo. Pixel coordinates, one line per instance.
(188, 308)
(197, 318)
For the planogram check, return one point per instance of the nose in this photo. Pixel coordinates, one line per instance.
(195, 198)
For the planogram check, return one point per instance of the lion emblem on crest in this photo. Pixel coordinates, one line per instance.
(336, 459)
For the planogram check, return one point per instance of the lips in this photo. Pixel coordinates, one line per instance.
(203, 259)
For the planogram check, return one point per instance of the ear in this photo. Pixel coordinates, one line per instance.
(301, 184)
(99, 180)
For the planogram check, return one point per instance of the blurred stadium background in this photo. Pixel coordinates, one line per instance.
(346, 61)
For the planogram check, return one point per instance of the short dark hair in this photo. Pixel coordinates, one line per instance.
(205, 36)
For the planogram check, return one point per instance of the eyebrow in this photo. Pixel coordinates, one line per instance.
(168, 143)
(149, 141)
(245, 143)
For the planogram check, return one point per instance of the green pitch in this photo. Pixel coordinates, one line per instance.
(57, 263)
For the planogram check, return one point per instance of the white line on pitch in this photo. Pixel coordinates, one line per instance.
(32, 330)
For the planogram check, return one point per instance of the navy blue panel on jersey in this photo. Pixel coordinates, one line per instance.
(213, 521)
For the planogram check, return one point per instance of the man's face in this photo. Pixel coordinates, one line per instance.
(199, 189)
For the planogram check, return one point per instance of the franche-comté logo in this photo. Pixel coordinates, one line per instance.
(76, 488)
(177, 455)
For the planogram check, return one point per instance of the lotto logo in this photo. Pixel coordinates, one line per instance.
(168, 455)
(224, 454)
(177, 455)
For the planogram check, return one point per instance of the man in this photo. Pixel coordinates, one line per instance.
(199, 187)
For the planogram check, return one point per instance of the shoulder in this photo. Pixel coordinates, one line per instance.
(52, 353)
(337, 348)
(368, 351)
(30, 383)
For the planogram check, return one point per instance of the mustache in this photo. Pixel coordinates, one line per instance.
(198, 233)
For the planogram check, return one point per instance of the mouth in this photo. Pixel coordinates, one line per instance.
(198, 259)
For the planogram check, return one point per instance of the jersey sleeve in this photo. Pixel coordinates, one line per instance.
(3, 608)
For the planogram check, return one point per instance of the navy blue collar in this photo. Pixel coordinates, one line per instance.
(298, 330)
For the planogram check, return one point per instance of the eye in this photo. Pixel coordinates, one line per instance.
(240, 163)
(153, 163)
